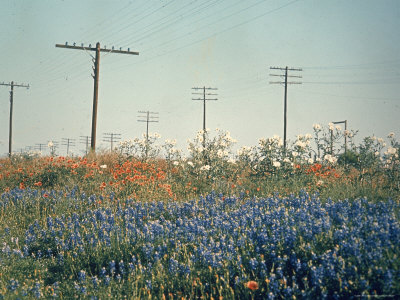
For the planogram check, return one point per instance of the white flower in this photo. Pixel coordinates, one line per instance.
(50, 144)
(220, 153)
(338, 128)
(317, 126)
(231, 160)
(381, 141)
(171, 142)
(330, 158)
(176, 163)
(301, 144)
(276, 164)
(331, 126)
(391, 150)
(391, 135)
(310, 160)
(308, 136)
(205, 168)
(286, 160)
(376, 153)
(190, 164)
(320, 182)
(295, 153)
(276, 137)
(103, 166)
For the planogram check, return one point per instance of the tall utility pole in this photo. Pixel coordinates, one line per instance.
(96, 69)
(111, 137)
(285, 82)
(204, 99)
(148, 117)
(68, 142)
(12, 85)
(85, 140)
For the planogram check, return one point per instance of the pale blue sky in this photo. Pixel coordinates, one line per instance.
(349, 52)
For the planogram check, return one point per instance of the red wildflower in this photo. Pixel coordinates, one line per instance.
(252, 285)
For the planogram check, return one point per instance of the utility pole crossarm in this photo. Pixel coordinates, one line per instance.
(15, 84)
(120, 51)
(282, 82)
(283, 69)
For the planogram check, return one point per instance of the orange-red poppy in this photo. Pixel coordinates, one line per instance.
(252, 285)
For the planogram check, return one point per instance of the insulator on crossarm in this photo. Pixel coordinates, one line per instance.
(66, 43)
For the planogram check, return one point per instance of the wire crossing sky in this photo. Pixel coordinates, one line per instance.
(349, 52)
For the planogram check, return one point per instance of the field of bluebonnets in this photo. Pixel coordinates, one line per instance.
(314, 220)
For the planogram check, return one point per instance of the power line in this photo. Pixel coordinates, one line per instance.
(285, 82)
(96, 75)
(207, 37)
(12, 85)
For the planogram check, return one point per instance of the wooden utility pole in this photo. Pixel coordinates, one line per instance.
(111, 137)
(39, 146)
(148, 117)
(12, 85)
(68, 142)
(204, 99)
(96, 68)
(345, 136)
(85, 140)
(285, 82)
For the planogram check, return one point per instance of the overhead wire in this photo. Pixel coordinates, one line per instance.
(207, 37)
(164, 26)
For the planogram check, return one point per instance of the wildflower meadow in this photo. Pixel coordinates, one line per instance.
(317, 219)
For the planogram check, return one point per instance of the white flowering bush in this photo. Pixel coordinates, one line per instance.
(171, 153)
(143, 149)
(330, 139)
(391, 162)
(210, 156)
